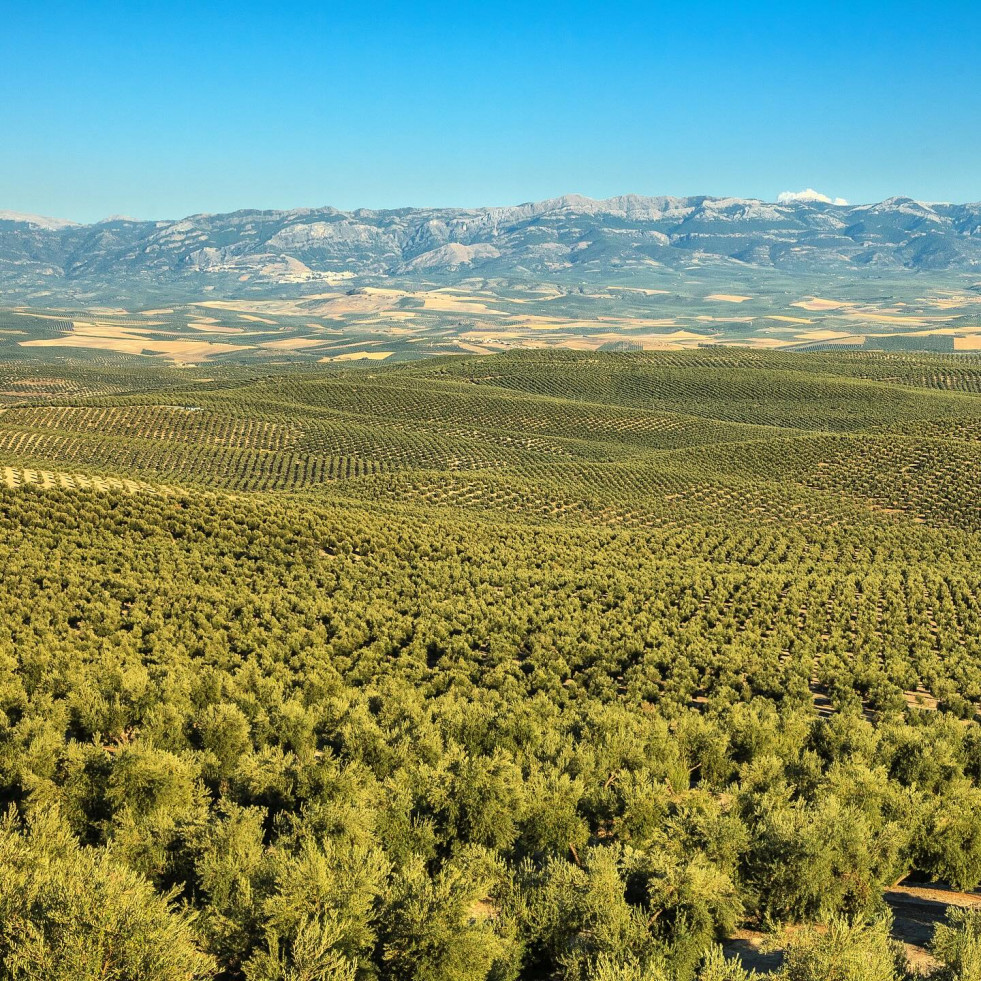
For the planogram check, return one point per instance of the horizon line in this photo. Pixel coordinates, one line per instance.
(793, 198)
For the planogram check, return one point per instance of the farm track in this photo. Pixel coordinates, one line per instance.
(916, 912)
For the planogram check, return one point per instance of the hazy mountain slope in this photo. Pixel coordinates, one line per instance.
(568, 236)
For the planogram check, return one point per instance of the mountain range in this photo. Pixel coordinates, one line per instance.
(565, 239)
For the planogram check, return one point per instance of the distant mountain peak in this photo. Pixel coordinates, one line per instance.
(40, 221)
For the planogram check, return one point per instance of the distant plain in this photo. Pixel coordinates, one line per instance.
(404, 320)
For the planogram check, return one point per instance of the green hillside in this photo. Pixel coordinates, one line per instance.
(542, 665)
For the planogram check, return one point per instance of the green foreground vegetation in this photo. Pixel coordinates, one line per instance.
(533, 666)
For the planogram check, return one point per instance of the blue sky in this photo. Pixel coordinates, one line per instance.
(165, 109)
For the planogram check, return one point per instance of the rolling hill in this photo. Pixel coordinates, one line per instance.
(568, 661)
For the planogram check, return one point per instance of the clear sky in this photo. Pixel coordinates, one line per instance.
(164, 109)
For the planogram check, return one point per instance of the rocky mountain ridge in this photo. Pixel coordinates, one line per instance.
(570, 237)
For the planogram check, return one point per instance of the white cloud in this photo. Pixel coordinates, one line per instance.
(809, 194)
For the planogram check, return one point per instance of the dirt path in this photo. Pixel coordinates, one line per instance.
(916, 909)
